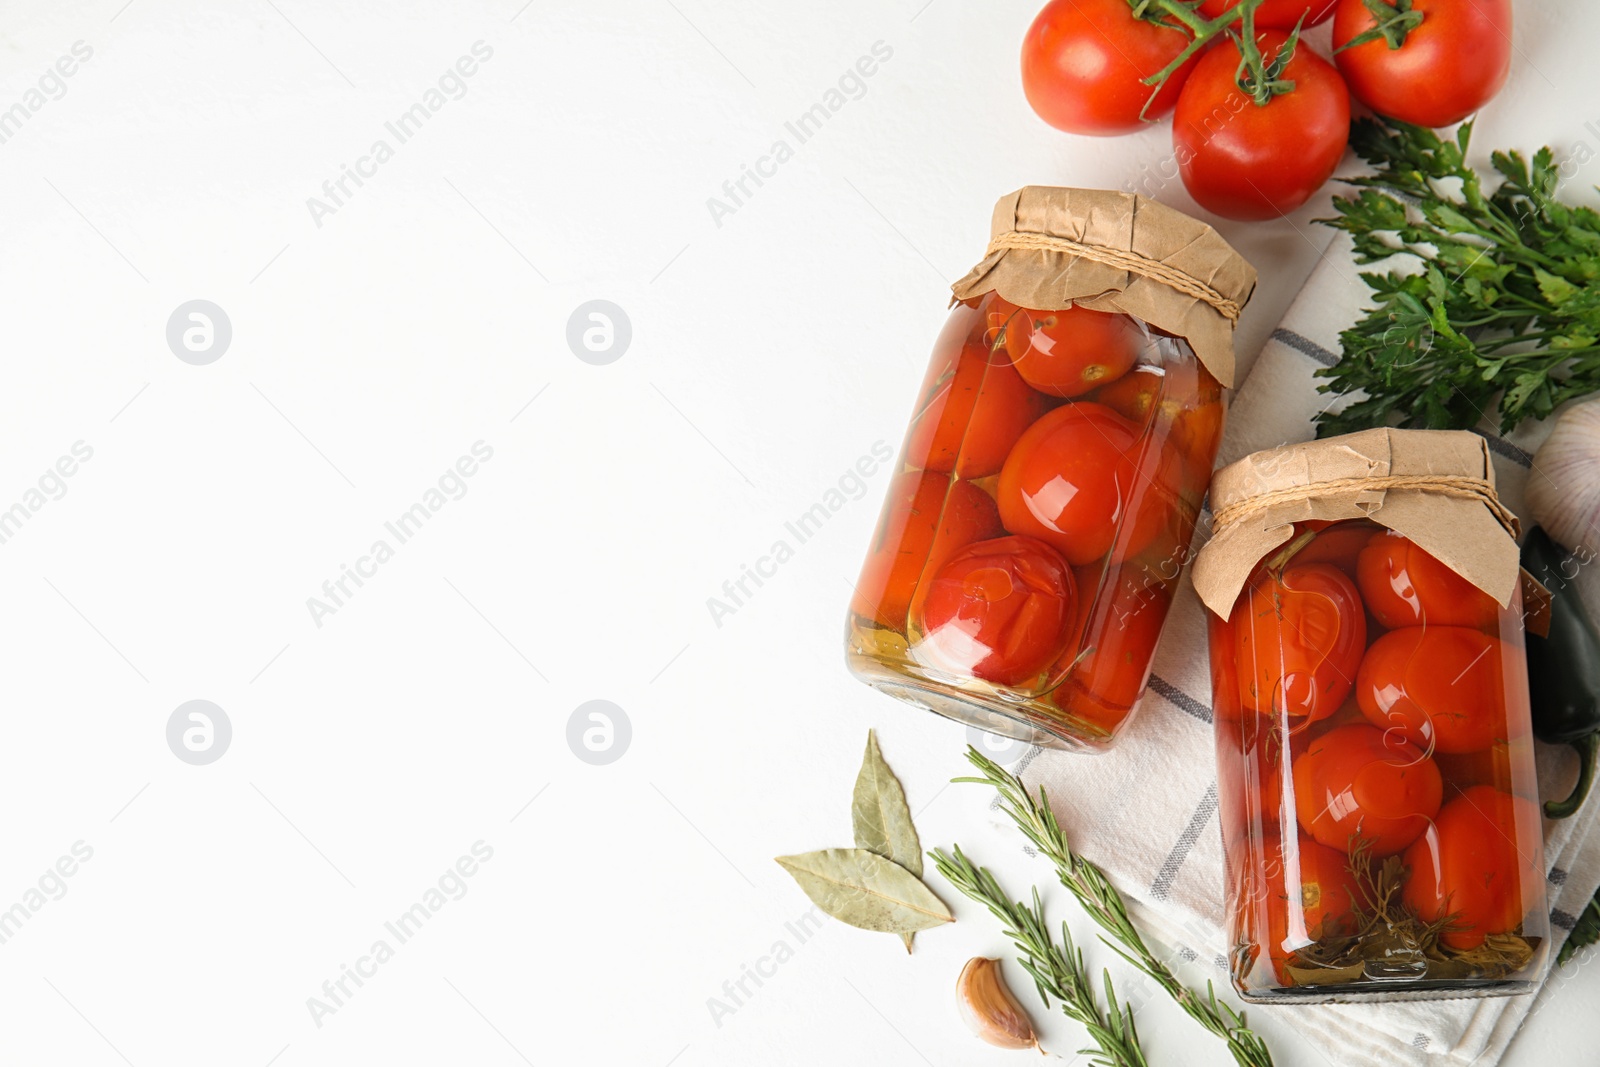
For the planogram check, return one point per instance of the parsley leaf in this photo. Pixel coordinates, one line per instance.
(1496, 313)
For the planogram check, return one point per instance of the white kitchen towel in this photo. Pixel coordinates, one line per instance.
(1146, 811)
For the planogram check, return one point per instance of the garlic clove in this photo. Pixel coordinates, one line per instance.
(1563, 492)
(988, 1007)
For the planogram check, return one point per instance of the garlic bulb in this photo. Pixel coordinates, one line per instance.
(988, 1007)
(1564, 488)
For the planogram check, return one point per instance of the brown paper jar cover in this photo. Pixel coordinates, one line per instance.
(1051, 248)
(1434, 486)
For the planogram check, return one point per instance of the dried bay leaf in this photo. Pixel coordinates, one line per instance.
(879, 813)
(881, 817)
(877, 885)
(860, 887)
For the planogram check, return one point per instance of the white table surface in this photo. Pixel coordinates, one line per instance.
(429, 711)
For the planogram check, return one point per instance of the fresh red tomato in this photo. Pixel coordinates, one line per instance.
(926, 518)
(999, 610)
(1405, 586)
(1070, 352)
(1084, 63)
(1359, 781)
(1338, 543)
(1276, 14)
(1067, 479)
(1441, 687)
(1310, 894)
(1481, 862)
(974, 404)
(1449, 66)
(1244, 160)
(1299, 635)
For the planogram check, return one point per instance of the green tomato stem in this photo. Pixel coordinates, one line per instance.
(1204, 32)
(1391, 21)
(1159, 10)
(1257, 78)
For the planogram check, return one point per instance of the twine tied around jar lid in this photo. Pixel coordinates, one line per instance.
(1435, 487)
(1461, 488)
(1132, 262)
(1053, 248)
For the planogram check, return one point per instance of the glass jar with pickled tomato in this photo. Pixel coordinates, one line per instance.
(1375, 765)
(1053, 471)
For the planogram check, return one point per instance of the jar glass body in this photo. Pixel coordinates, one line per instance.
(1375, 771)
(1044, 502)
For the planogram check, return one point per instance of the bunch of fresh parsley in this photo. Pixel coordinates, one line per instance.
(1501, 319)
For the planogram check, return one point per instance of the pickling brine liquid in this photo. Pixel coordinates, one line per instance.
(1379, 807)
(1045, 499)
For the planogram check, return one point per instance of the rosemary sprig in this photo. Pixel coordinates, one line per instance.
(1057, 969)
(1088, 883)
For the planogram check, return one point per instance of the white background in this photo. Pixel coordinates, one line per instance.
(368, 354)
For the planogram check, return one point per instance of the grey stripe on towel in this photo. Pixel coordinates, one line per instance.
(1162, 886)
(1305, 345)
(1500, 446)
(1179, 699)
